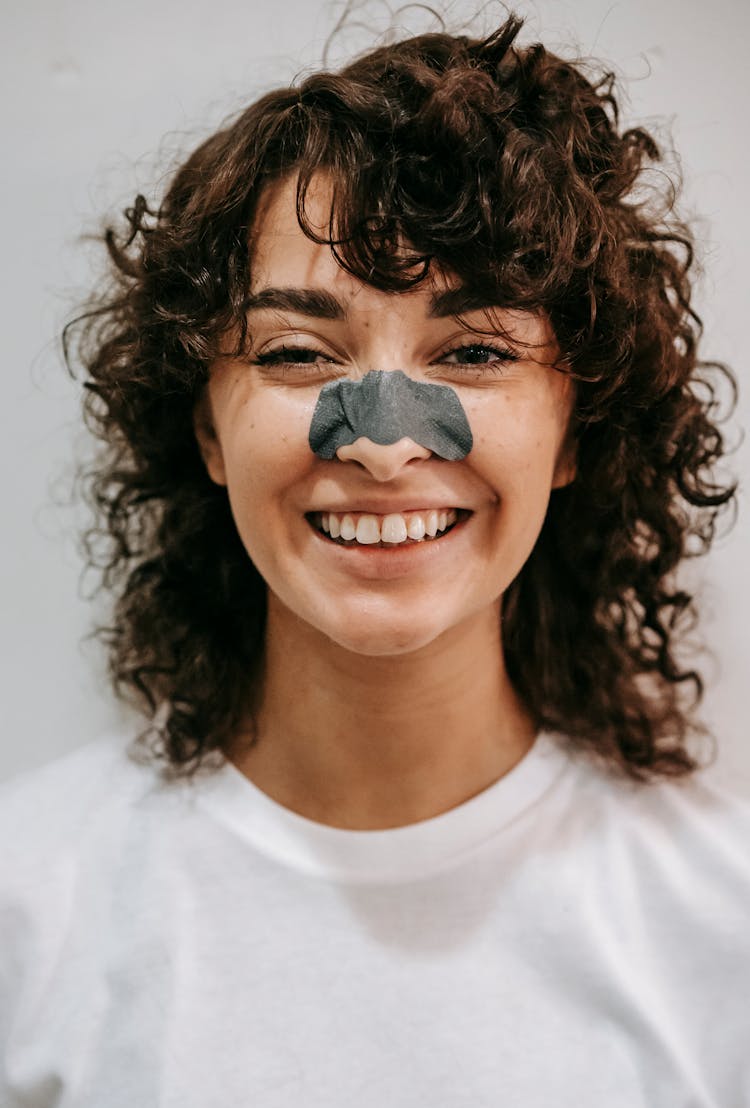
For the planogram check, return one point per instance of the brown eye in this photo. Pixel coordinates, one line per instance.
(475, 354)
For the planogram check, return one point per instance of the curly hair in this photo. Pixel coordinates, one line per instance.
(507, 166)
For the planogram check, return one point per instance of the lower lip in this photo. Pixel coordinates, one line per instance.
(380, 562)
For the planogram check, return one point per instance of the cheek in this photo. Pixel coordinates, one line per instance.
(266, 448)
(268, 464)
(515, 444)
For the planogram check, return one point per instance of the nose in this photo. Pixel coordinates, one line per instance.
(383, 462)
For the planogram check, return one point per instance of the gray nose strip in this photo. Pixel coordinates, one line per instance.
(386, 406)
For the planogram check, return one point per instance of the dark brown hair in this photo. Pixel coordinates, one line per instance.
(505, 165)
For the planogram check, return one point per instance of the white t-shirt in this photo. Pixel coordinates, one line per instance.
(566, 938)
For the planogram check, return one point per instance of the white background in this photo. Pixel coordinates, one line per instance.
(98, 98)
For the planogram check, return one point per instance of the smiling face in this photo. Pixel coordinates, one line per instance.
(310, 324)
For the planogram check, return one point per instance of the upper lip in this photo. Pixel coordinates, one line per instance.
(369, 507)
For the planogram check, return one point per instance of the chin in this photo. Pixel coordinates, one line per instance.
(376, 639)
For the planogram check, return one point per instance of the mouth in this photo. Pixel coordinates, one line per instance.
(393, 531)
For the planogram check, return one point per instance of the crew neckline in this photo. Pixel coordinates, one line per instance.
(393, 855)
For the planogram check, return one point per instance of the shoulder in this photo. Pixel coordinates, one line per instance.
(697, 803)
(57, 800)
(670, 844)
(68, 813)
(694, 815)
(700, 830)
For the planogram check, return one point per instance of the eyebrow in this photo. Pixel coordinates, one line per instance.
(459, 300)
(320, 304)
(312, 302)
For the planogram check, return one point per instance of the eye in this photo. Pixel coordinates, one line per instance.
(477, 354)
(295, 365)
(292, 356)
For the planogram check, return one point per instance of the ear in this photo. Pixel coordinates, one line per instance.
(207, 439)
(566, 465)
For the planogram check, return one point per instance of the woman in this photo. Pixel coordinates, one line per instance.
(402, 446)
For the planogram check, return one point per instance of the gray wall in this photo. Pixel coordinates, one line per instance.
(89, 92)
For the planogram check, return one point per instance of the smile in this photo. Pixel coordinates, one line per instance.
(394, 529)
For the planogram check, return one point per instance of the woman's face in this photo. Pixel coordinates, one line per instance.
(254, 418)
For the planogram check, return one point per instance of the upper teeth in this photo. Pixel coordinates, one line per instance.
(393, 528)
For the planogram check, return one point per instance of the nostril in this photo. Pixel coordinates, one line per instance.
(370, 453)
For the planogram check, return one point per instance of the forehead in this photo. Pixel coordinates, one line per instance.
(283, 255)
(283, 258)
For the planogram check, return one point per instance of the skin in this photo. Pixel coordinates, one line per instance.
(384, 698)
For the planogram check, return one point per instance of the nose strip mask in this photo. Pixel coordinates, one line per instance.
(386, 406)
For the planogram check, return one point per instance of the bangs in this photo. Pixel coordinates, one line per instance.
(432, 158)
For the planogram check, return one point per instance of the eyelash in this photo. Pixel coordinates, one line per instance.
(501, 353)
(290, 356)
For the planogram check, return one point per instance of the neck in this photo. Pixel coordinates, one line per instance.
(374, 742)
